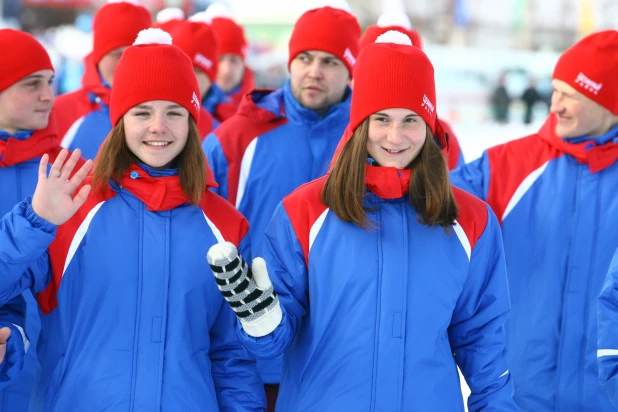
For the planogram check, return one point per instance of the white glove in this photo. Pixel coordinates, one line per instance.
(249, 292)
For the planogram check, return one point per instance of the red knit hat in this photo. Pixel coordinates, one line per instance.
(391, 73)
(327, 29)
(590, 66)
(153, 69)
(169, 18)
(16, 46)
(198, 41)
(116, 24)
(230, 36)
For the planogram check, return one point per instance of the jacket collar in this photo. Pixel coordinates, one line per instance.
(92, 82)
(25, 145)
(597, 157)
(387, 182)
(299, 114)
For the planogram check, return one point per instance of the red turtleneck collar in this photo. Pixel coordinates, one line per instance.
(91, 81)
(387, 182)
(14, 151)
(157, 193)
(597, 157)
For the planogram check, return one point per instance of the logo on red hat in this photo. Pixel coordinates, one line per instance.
(195, 101)
(428, 105)
(349, 57)
(202, 60)
(588, 84)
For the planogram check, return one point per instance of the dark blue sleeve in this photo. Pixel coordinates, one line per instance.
(287, 271)
(476, 332)
(473, 177)
(13, 316)
(24, 260)
(607, 339)
(217, 163)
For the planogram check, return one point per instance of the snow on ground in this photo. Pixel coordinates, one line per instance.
(474, 139)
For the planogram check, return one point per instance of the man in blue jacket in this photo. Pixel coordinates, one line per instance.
(26, 134)
(556, 196)
(279, 140)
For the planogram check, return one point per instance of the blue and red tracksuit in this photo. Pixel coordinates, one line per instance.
(269, 148)
(20, 154)
(556, 202)
(132, 318)
(218, 104)
(379, 319)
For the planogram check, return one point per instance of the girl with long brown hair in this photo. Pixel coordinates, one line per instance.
(386, 278)
(130, 321)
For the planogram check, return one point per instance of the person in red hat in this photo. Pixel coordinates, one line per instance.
(27, 132)
(234, 77)
(169, 18)
(197, 40)
(400, 22)
(383, 276)
(279, 140)
(131, 318)
(214, 100)
(554, 193)
(82, 116)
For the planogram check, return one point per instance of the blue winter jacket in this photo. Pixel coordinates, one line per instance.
(557, 203)
(607, 352)
(17, 182)
(271, 146)
(132, 318)
(379, 319)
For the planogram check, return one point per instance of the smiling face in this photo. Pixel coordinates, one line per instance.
(395, 137)
(156, 132)
(578, 115)
(26, 105)
(318, 80)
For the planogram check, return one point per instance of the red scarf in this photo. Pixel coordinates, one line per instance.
(387, 182)
(596, 157)
(157, 193)
(14, 151)
(92, 81)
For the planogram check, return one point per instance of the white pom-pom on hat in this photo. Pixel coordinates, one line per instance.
(217, 10)
(169, 14)
(201, 17)
(395, 37)
(153, 36)
(395, 19)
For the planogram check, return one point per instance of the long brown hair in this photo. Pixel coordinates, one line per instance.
(430, 189)
(115, 158)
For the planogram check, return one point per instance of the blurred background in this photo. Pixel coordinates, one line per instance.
(493, 59)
